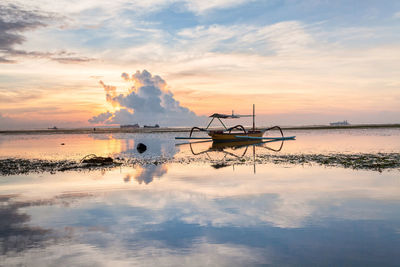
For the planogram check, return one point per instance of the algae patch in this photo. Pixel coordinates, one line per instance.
(374, 162)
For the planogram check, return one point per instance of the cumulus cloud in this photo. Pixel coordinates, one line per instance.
(148, 101)
(101, 117)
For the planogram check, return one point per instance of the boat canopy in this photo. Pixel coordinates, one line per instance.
(225, 116)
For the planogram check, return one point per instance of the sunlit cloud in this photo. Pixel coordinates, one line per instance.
(148, 101)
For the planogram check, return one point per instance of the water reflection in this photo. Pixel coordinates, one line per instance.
(147, 147)
(163, 144)
(15, 234)
(226, 147)
(157, 145)
(145, 174)
(197, 215)
(219, 152)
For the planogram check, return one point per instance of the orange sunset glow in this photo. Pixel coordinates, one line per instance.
(296, 69)
(199, 133)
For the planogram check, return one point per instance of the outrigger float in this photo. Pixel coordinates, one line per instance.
(235, 133)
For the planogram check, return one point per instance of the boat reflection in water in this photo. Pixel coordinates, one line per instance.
(236, 150)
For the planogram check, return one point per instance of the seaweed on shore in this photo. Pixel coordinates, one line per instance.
(369, 161)
(24, 166)
(13, 166)
(366, 161)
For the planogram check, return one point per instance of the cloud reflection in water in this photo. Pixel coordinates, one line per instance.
(198, 215)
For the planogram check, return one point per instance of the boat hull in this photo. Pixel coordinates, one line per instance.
(231, 137)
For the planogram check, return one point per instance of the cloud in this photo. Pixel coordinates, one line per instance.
(201, 7)
(140, 7)
(70, 60)
(203, 44)
(148, 101)
(15, 20)
(287, 37)
(5, 60)
(101, 117)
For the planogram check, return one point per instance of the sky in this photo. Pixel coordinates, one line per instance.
(101, 63)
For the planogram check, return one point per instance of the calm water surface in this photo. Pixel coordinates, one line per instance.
(199, 214)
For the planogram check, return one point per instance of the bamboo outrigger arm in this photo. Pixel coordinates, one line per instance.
(197, 128)
(237, 127)
(273, 127)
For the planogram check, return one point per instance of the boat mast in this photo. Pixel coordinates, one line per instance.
(254, 125)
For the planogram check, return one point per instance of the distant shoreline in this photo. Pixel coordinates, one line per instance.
(351, 126)
(186, 129)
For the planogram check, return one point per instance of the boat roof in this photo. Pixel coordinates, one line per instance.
(226, 116)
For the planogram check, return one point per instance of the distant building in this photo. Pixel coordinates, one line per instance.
(150, 126)
(339, 123)
(134, 126)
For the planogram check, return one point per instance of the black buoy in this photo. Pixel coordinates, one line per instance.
(141, 148)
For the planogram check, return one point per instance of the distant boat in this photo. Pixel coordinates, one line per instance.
(130, 126)
(339, 123)
(52, 128)
(151, 126)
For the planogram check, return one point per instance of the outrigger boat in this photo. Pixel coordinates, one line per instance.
(235, 133)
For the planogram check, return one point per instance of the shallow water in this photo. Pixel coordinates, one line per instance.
(200, 214)
(76, 146)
